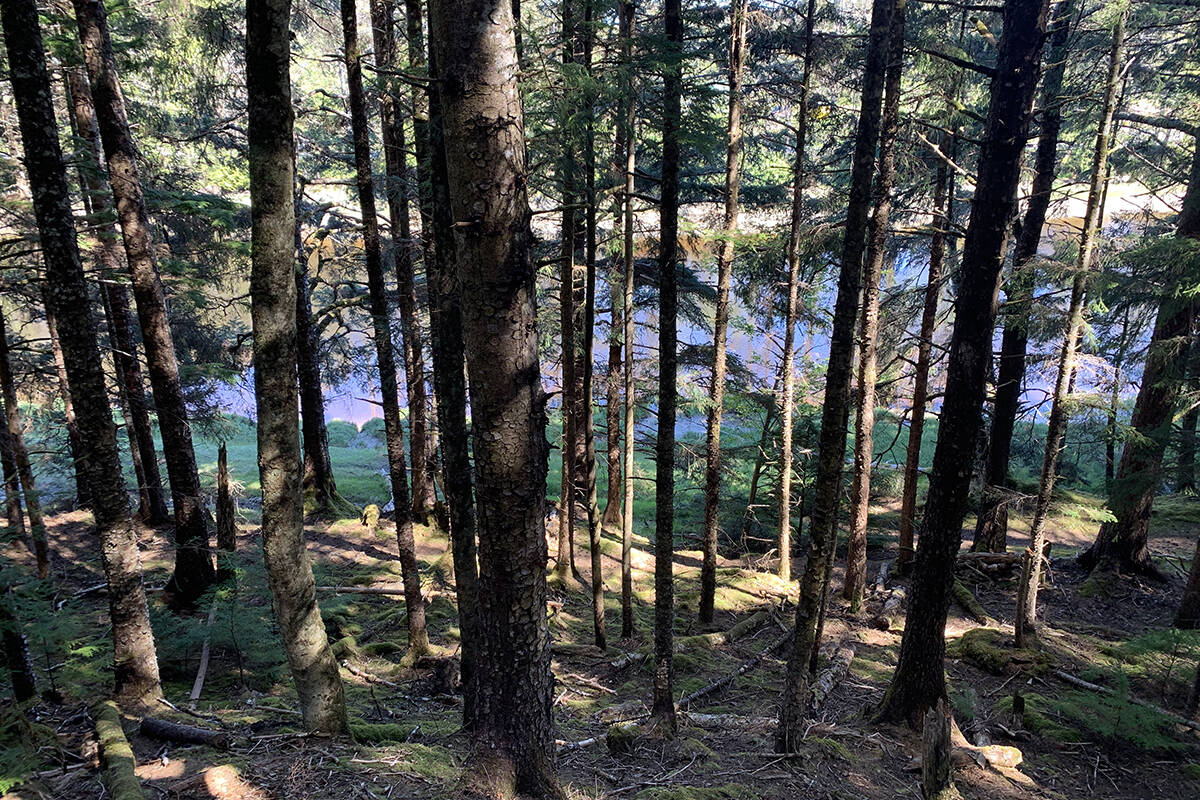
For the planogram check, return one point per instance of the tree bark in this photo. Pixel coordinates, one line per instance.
(13, 511)
(74, 441)
(626, 123)
(663, 708)
(838, 375)
(716, 390)
(1188, 616)
(991, 529)
(226, 518)
(1025, 624)
(273, 305)
(919, 680)
(1185, 473)
(193, 560)
(16, 438)
(864, 422)
(16, 650)
(418, 636)
(135, 669)
(485, 158)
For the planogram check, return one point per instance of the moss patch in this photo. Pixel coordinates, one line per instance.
(732, 791)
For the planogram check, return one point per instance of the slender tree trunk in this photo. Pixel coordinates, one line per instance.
(446, 327)
(98, 200)
(919, 681)
(418, 636)
(832, 448)
(13, 511)
(16, 650)
(668, 308)
(1056, 429)
(1114, 404)
(916, 417)
(273, 296)
(135, 669)
(386, 59)
(226, 518)
(864, 422)
(611, 520)
(193, 559)
(991, 529)
(1185, 476)
(716, 391)
(16, 436)
(627, 125)
(75, 443)
(485, 157)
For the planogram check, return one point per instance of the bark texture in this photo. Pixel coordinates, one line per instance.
(627, 123)
(20, 453)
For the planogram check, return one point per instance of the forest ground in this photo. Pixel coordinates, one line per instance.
(1075, 743)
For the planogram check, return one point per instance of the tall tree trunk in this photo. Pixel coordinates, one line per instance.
(418, 636)
(16, 650)
(74, 442)
(668, 309)
(716, 391)
(916, 419)
(991, 528)
(387, 60)
(1056, 428)
(626, 123)
(13, 511)
(832, 448)
(1185, 473)
(135, 669)
(446, 328)
(485, 157)
(98, 201)
(1188, 616)
(16, 436)
(1114, 404)
(864, 422)
(226, 518)
(919, 680)
(193, 559)
(273, 296)
(1122, 544)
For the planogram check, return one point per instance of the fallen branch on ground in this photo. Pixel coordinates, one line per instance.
(725, 680)
(966, 600)
(116, 756)
(891, 610)
(205, 650)
(1080, 683)
(183, 734)
(830, 677)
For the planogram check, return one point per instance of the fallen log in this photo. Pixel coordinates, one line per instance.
(830, 677)
(1080, 683)
(729, 721)
(967, 602)
(742, 669)
(890, 611)
(116, 756)
(882, 576)
(361, 590)
(205, 651)
(183, 734)
(702, 640)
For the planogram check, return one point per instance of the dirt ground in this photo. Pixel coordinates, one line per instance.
(724, 745)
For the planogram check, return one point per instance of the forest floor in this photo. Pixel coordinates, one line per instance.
(1075, 743)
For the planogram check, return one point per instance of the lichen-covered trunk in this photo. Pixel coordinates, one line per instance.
(418, 636)
(135, 668)
(716, 389)
(919, 680)
(838, 375)
(13, 511)
(864, 418)
(273, 308)
(20, 453)
(991, 528)
(485, 159)
(193, 560)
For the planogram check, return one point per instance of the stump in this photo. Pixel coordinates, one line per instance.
(936, 771)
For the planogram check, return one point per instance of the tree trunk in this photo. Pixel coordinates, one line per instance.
(1025, 623)
(446, 328)
(611, 520)
(1188, 616)
(193, 560)
(418, 636)
(75, 443)
(663, 708)
(991, 529)
(1185, 474)
(485, 158)
(626, 124)
(716, 390)
(919, 680)
(916, 417)
(135, 669)
(12, 481)
(864, 422)
(226, 518)
(832, 452)
(16, 438)
(16, 650)
(273, 296)
(412, 349)
(1122, 545)
(98, 201)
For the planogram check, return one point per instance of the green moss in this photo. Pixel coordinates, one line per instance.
(831, 747)
(732, 791)
(622, 738)
(344, 647)
(384, 648)
(1192, 770)
(692, 748)
(980, 646)
(1100, 583)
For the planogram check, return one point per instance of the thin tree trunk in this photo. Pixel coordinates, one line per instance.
(1025, 623)
(838, 375)
(864, 422)
(991, 529)
(627, 124)
(485, 157)
(1188, 616)
(193, 560)
(412, 349)
(13, 511)
(16, 437)
(226, 518)
(74, 441)
(16, 650)
(273, 296)
(668, 304)
(418, 636)
(1185, 474)
(446, 328)
(135, 669)
(716, 391)
(1114, 404)
(919, 680)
